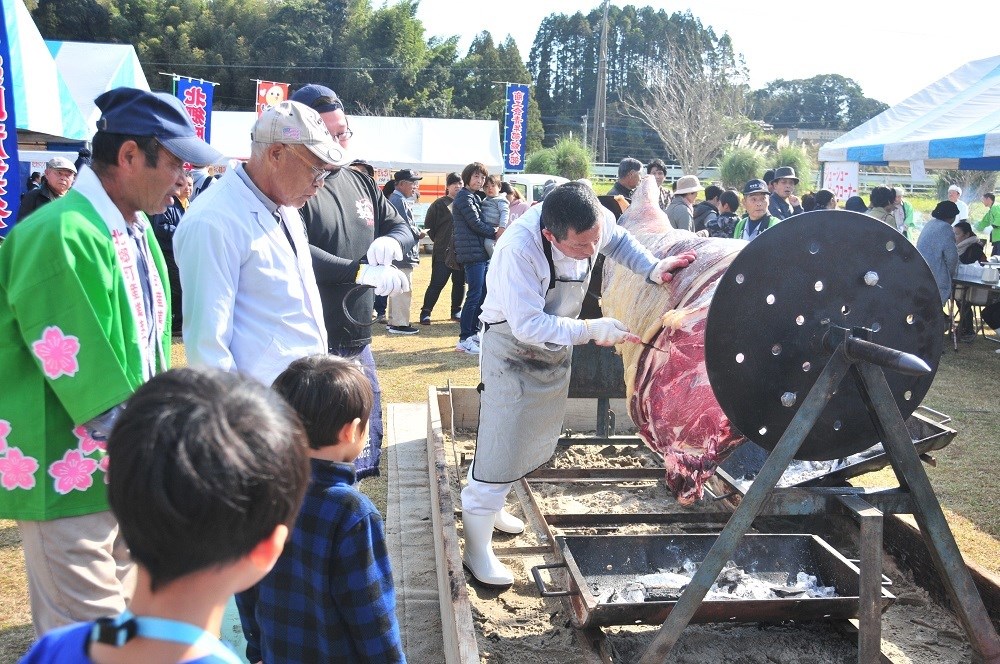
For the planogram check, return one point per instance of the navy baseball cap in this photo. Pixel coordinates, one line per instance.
(755, 187)
(156, 114)
(318, 97)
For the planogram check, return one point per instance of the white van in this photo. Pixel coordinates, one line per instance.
(531, 184)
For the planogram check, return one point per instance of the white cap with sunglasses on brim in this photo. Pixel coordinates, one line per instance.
(293, 123)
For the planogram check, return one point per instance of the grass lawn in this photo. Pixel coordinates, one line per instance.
(966, 479)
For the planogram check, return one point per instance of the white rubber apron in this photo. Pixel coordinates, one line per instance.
(524, 390)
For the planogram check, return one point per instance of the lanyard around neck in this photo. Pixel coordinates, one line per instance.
(119, 630)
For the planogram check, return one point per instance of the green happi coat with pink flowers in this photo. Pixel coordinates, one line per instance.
(69, 348)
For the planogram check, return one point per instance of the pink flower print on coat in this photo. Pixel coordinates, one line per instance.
(57, 353)
(73, 472)
(17, 471)
(88, 444)
(4, 432)
(102, 466)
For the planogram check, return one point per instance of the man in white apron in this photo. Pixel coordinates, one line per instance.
(536, 283)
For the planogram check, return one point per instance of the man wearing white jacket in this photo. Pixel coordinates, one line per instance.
(538, 277)
(250, 298)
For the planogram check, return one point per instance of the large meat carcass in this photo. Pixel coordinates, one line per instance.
(670, 398)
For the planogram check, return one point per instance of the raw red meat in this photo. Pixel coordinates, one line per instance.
(670, 398)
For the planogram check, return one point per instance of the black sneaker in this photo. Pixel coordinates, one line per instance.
(425, 318)
(402, 329)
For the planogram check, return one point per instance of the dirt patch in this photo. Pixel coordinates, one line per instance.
(516, 623)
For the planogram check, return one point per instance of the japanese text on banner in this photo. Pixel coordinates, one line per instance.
(196, 96)
(515, 126)
(841, 177)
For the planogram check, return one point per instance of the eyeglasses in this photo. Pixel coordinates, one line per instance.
(319, 174)
(344, 135)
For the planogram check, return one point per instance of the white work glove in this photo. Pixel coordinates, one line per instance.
(606, 331)
(386, 279)
(384, 250)
(662, 271)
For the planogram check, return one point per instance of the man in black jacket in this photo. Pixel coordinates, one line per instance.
(60, 174)
(352, 228)
(708, 209)
(439, 225)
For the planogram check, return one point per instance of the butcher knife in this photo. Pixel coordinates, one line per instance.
(636, 339)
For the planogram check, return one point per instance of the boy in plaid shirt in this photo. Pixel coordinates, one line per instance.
(330, 597)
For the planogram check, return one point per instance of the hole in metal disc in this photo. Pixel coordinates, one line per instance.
(762, 430)
(837, 424)
(890, 245)
(818, 286)
(909, 319)
(806, 366)
(739, 358)
(846, 309)
(769, 299)
(907, 395)
(739, 278)
(814, 248)
(876, 326)
(776, 349)
(800, 319)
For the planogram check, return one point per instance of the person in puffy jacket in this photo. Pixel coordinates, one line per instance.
(470, 232)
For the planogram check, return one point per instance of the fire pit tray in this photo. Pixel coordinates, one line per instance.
(746, 460)
(613, 561)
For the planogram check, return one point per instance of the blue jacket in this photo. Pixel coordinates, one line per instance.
(470, 228)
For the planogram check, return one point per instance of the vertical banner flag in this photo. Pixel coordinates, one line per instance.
(196, 95)
(515, 126)
(10, 169)
(269, 94)
(841, 177)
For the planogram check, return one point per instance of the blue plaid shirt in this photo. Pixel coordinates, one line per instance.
(329, 598)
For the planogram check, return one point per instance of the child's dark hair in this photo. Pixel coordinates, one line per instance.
(492, 179)
(327, 392)
(203, 465)
(731, 199)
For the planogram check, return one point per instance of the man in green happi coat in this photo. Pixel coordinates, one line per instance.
(85, 320)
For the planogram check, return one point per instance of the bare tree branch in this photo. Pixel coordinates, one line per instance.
(692, 108)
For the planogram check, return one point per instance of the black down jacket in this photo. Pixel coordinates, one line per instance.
(470, 229)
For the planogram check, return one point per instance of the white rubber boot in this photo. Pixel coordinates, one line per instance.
(479, 556)
(508, 523)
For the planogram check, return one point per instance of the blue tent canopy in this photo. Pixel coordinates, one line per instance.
(952, 123)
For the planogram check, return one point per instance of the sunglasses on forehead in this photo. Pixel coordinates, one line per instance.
(328, 101)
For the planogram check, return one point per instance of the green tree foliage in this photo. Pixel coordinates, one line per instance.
(828, 101)
(563, 62)
(569, 157)
(739, 165)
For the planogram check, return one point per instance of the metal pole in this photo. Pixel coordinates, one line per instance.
(962, 591)
(724, 547)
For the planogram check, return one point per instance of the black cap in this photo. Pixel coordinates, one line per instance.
(318, 97)
(406, 174)
(155, 114)
(755, 187)
(945, 211)
(368, 168)
(768, 175)
(785, 172)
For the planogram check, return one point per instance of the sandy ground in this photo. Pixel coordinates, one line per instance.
(516, 623)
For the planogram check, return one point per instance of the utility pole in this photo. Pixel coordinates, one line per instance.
(585, 117)
(600, 101)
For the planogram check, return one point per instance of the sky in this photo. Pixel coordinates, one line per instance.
(891, 48)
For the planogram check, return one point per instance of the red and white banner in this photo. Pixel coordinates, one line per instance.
(270, 94)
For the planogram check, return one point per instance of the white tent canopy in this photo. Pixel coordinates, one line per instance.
(43, 104)
(952, 123)
(91, 69)
(430, 144)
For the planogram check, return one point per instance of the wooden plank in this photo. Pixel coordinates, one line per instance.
(456, 611)
(581, 414)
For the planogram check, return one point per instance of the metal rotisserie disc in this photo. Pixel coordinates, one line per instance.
(772, 307)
